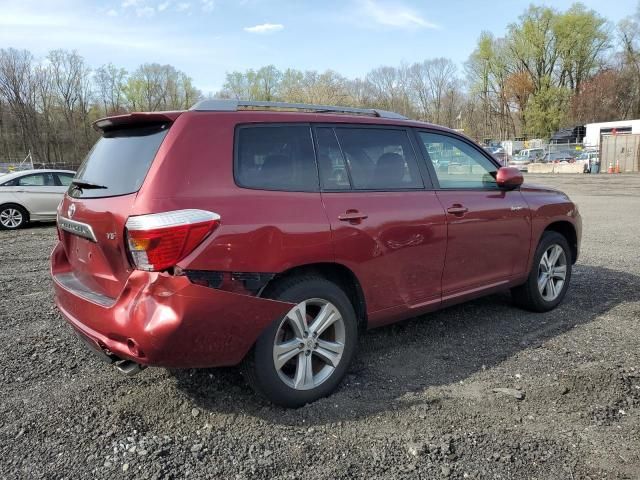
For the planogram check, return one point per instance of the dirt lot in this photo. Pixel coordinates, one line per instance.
(417, 403)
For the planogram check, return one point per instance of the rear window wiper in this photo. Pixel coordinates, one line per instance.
(83, 184)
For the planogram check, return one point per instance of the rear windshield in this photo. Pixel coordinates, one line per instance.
(119, 161)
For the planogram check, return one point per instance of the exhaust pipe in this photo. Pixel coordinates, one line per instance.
(129, 368)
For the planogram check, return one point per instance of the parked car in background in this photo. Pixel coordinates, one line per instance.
(588, 158)
(31, 196)
(499, 153)
(521, 163)
(273, 235)
(558, 157)
(530, 154)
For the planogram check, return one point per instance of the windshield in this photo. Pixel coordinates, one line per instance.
(119, 161)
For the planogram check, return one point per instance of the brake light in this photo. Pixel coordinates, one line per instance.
(160, 240)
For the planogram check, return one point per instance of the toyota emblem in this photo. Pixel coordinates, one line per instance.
(71, 210)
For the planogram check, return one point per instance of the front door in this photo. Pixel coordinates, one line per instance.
(488, 229)
(39, 194)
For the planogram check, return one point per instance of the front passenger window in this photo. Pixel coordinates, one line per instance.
(37, 180)
(458, 164)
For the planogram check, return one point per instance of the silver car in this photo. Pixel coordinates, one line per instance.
(521, 163)
(31, 196)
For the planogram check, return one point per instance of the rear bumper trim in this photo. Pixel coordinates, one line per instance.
(69, 282)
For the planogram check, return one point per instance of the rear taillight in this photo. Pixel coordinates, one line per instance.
(160, 240)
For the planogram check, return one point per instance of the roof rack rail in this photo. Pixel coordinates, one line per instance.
(235, 105)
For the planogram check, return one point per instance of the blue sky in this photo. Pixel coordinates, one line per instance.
(206, 38)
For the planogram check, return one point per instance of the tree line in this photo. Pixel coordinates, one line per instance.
(47, 106)
(552, 69)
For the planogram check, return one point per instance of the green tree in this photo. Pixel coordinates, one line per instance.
(534, 45)
(583, 37)
(235, 86)
(488, 70)
(291, 87)
(546, 110)
(154, 87)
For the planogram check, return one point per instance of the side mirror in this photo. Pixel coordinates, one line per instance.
(509, 178)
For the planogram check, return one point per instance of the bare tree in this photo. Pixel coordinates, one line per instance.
(431, 82)
(390, 88)
(629, 31)
(110, 83)
(17, 89)
(72, 88)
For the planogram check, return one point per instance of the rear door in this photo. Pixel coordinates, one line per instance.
(489, 229)
(93, 215)
(387, 225)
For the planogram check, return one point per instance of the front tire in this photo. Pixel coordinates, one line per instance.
(304, 356)
(550, 274)
(13, 217)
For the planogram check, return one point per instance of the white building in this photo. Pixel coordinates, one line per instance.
(596, 130)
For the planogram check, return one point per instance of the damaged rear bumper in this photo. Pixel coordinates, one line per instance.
(164, 320)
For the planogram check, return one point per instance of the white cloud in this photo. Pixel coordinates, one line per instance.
(20, 19)
(39, 28)
(145, 11)
(163, 6)
(140, 6)
(208, 5)
(265, 28)
(183, 6)
(393, 15)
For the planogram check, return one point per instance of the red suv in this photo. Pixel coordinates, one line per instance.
(271, 235)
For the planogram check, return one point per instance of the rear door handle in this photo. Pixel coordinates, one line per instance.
(352, 216)
(457, 209)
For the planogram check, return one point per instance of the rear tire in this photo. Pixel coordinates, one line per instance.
(13, 217)
(304, 356)
(550, 275)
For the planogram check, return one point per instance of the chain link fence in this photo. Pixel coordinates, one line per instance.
(30, 162)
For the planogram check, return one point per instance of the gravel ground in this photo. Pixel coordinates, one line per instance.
(419, 402)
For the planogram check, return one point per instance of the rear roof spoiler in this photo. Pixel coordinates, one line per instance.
(136, 118)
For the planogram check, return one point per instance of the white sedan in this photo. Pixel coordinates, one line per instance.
(31, 196)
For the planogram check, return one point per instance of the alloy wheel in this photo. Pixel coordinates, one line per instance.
(309, 344)
(552, 272)
(11, 218)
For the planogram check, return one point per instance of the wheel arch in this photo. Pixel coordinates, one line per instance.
(568, 231)
(336, 273)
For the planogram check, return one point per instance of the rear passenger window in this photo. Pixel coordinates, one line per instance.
(37, 180)
(276, 158)
(379, 159)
